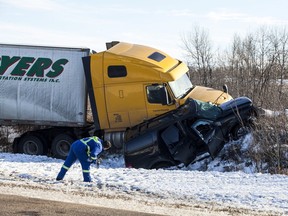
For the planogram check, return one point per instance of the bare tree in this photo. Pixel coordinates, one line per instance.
(198, 49)
(257, 66)
(280, 44)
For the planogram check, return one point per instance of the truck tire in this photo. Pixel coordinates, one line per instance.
(32, 145)
(61, 146)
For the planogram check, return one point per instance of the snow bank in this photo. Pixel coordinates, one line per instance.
(170, 191)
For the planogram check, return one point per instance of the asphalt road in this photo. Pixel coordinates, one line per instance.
(18, 205)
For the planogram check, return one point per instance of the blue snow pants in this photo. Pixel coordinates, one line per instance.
(77, 151)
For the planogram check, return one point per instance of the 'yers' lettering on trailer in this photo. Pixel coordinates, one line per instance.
(32, 67)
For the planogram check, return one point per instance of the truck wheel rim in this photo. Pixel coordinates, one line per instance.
(63, 147)
(30, 147)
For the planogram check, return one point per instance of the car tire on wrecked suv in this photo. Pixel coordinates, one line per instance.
(162, 165)
(241, 130)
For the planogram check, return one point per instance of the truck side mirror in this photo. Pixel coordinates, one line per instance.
(225, 88)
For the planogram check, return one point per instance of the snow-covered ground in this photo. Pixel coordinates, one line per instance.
(173, 191)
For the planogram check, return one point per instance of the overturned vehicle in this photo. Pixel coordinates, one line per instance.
(183, 135)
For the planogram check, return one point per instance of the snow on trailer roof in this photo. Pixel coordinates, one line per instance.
(45, 46)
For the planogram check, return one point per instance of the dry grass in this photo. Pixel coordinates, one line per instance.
(269, 150)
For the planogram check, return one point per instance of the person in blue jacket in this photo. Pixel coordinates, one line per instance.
(86, 151)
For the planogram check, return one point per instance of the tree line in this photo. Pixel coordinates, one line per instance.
(255, 65)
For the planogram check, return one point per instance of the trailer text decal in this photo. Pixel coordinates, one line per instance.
(31, 69)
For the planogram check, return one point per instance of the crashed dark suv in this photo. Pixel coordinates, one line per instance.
(194, 129)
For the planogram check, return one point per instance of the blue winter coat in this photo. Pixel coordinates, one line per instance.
(86, 151)
(93, 146)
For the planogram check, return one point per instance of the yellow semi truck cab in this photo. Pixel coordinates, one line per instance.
(130, 83)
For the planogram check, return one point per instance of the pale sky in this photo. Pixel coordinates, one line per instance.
(156, 23)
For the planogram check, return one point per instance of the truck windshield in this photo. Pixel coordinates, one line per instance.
(181, 86)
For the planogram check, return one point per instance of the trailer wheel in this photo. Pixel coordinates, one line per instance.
(32, 145)
(61, 145)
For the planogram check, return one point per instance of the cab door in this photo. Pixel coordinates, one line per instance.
(125, 105)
